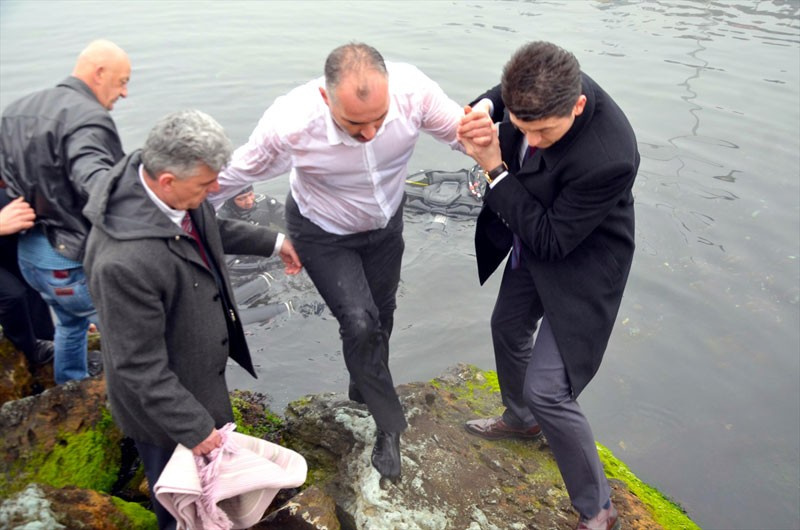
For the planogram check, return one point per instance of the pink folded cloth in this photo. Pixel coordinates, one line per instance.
(232, 486)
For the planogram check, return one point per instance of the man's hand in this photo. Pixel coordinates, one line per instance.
(213, 441)
(289, 257)
(478, 135)
(16, 216)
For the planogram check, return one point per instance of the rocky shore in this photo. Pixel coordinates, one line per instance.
(66, 465)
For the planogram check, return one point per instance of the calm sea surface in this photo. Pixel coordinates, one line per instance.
(700, 389)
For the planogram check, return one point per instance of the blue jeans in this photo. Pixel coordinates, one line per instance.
(66, 292)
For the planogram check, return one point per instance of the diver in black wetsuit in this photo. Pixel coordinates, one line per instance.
(254, 207)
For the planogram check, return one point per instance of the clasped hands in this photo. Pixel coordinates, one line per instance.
(478, 134)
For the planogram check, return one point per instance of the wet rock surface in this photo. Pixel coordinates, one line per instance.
(61, 456)
(450, 480)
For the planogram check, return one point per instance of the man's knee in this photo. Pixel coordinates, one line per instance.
(358, 325)
(543, 394)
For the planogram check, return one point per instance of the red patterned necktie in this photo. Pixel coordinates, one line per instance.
(188, 227)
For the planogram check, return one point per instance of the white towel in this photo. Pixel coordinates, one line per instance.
(232, 486)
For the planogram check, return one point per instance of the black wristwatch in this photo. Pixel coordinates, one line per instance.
(496, 172)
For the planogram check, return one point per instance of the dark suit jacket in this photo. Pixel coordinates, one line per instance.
(571, 205)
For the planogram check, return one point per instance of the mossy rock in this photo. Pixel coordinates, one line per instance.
(62, 437)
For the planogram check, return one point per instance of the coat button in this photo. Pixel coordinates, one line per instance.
(222, 372)
(196, 284)
(216, 297)
(225, 341)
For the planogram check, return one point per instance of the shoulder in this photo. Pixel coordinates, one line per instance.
(298, 109)
(406, 79)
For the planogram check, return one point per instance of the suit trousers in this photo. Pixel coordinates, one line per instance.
(155, 459)
(535, 389)
(357, 275)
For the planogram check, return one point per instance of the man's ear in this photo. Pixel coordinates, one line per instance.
(166, 180)
(98, 74)
(324, 96)
(577, 110)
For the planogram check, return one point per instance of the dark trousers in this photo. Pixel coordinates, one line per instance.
(535, 389)
(357, 275)
(24, 316)
(154, 459)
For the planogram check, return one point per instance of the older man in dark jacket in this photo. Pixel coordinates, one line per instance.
(54, 146)
(560, 175)
(154, 261)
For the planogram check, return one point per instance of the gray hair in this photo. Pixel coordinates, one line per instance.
(182, 141)
(355, 57)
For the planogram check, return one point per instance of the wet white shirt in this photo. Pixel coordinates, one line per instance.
(342, 185)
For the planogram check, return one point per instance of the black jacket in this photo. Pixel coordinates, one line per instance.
(54, 145)
(572, 206)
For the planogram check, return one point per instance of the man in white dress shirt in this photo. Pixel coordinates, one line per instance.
(347, 138)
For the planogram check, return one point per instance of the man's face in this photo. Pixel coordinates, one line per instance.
(359, 118)
(245, 201)
(544, 132)
(114, 82)
(188, 193)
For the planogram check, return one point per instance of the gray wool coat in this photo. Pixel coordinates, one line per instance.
(168, 323)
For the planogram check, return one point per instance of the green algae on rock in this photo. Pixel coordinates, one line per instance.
(64, 436)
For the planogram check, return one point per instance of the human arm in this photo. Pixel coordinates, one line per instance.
(91, 150)
(16, 216)
(552, 227)
(240, 237)
(264, 156)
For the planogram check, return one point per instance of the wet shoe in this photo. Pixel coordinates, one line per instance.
(498, 429)
(42, 353)
(607, 519)
(386, 455)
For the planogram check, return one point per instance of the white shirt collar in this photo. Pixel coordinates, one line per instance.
(176, 216)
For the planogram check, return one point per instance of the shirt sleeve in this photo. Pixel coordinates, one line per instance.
(440, 114)
(264, 156)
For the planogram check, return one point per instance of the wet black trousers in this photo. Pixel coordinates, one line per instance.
(357, 276)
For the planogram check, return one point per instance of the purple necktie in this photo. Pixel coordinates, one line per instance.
(188, 227)
(516, 247)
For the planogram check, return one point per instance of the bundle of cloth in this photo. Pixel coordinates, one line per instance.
(232, 486)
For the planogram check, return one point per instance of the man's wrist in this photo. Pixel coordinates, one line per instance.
(495, 172)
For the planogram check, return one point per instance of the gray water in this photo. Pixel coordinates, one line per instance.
(699, 392)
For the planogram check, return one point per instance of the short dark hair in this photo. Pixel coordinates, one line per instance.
(541, 80)
(348, 58)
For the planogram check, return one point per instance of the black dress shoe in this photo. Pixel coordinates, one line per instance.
(386, 455)
(42, 352)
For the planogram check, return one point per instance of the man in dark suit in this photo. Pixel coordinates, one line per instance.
(154, 260)
(560, 169)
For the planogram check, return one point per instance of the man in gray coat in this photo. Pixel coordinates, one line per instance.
(154, 260)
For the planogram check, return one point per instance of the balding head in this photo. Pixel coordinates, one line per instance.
(106, 69)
